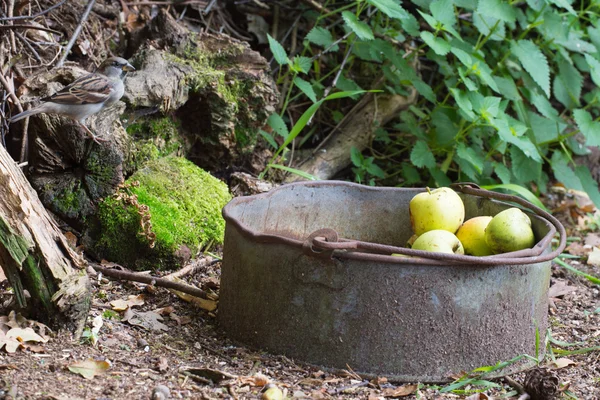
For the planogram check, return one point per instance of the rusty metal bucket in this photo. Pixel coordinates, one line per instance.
(307, 272)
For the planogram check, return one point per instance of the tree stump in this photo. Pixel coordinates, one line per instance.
(36, 257)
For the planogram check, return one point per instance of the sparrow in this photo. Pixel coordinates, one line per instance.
(86, 95)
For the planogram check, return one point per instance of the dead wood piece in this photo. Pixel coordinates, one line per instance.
(152, 280)
(355, 130)
(192, 267)
(36, 257)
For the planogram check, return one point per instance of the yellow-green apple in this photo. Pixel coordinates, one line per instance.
(509, 230)
(472, 236)
(440, 241)
(436, 209)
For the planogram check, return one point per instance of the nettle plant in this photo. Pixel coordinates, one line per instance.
(507, 89)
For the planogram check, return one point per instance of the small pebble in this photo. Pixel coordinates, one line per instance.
(161, 392)
(141, 342)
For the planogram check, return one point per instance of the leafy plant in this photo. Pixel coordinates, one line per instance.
(507, 89)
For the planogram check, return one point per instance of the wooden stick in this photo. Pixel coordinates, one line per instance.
(192, 267)
(22, 17)
(22, 26)
(12, 94)
(76, 33)
(152, 280)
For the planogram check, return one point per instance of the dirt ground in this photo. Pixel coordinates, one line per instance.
(194, 360)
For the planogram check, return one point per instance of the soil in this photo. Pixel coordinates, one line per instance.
(194, 360)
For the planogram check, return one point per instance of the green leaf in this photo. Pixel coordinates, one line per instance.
(437, 44)
(410, 174)
(534, 62)
(562, 172)
(521, 191)
(321, 37)
(485, 24)
(302, 64)
(543, 106)
(568, 84)
(421, 156)
(594, 65)
(497, 9)
(391, 8)
(471, 156)
(506, 87)
(306, 88)
(424, 89)
(590, 185)
(463, 102)
(544, 129)
(440, 177)
(361, 29)
(294, 171)
(346, 84)
(443, 11)
(374, 169)
(278, 51)
(356, 157)
(278, 125)
(269, 139)
(502, 172)
(587, 126)
(524, 168)
(566, 5)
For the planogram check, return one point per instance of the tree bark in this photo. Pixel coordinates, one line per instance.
(36, 257)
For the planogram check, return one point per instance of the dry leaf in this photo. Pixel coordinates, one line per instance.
(594, 257)
(10, 344)
(577, 249)
(180, 320)
(163, 364)
(562, 363)
(311, 382)
(149, 320)
(89, 368)
(401, 391)
(592, 239)
(255, 380)
(560, 288)
(478, 396)
(71, 239)
(132, 300)
(165, 310)
(25, 335)
(2, 276)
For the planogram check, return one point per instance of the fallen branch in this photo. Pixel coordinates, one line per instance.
(22, 17)
(76, 33)
(192, 267)
(39, 28)
(152, 280)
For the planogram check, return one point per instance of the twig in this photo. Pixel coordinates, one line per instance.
(518, 387)
(29, 46)
(21, 26)
(192, 267)
(12, 95)
(76, 33)
(11, 8)
(316, 6)
(24, 140)
(325, 50)
(152, 280)
(22, 17)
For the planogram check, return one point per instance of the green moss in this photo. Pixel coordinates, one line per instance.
(184, 204)
(154, 138)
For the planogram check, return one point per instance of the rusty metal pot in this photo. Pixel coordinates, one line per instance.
(307, 272)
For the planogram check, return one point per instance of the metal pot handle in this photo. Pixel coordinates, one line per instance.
(355, 249)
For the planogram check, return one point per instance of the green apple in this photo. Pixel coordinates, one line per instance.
(436, 209)
(509, 230)
(440, 241)
(472, 236)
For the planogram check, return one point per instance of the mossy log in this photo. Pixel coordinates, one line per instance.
(36, 257)
(70, 172)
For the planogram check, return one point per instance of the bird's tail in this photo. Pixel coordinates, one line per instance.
(24, 114)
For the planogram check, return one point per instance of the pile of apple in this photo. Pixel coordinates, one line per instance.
(437, 219)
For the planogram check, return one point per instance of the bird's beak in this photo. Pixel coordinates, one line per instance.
(128, 67)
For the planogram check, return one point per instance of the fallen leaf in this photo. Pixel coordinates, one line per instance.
(149, 320)
(577, 249)
(592, 239)
(165, 310)
(89, 368)
(34, 348)
(594, 257)
(163, 364)
(25, 335)
(255, 380)
(478, 396)
(311, 382)
(560, 288)
(180, 320)
(405, 390)
(71, 239)
(132, 301)
(562, 363)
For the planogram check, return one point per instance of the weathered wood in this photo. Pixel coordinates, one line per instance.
(355, 130)
(36, 257)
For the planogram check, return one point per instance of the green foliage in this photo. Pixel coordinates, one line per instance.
(507, 89)
(165, 206)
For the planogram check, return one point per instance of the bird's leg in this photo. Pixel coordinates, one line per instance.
(95, 138)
